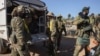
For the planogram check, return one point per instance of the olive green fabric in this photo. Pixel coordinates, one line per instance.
(97, 34)
(83, 29)
(21, 35)
(92, 20)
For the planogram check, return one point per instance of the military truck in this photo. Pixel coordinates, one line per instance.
(37, 28)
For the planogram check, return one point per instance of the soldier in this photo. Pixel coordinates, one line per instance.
(61, 28)
(84, 28)
(92, 19)
(97, 17)
(97, 35)
(53, 32)
(20, 32)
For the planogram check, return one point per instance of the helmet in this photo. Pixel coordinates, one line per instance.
(85, 8)
(20, 8)
(50, 14)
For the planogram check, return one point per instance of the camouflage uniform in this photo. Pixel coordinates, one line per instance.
(53, 33)
(19, 47)
(60, 28)
(92, 19)
(51, 24)
(19, 37)
(97, 53)
(84, 29)
(97, 34)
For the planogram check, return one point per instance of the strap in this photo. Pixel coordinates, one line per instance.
(26, 27)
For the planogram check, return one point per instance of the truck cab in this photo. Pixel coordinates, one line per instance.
(37, 29)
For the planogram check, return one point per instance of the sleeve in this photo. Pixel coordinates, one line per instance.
(54, 29)
(87, 28)
(77, 20)
(54, 25)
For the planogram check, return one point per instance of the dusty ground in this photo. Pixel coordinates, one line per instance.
(66, 49)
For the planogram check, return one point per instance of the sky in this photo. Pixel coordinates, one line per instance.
(64, 7)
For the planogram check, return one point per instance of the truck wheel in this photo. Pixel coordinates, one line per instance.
(3, 46)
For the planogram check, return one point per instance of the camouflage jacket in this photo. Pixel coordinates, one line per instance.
(92, 20)
(83, 24)
(18, 27)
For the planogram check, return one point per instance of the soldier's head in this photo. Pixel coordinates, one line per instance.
(50, 15)
(85, 10)
(59, 17)
(20, 10)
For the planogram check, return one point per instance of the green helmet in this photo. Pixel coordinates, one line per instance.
(85, 8)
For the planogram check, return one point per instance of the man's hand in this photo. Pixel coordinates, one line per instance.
(93, 43)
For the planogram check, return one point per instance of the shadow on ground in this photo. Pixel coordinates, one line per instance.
(66, 48)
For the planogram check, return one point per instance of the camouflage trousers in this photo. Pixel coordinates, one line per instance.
(19, 51)
(81, 43)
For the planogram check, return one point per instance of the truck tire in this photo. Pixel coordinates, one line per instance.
(3, 46)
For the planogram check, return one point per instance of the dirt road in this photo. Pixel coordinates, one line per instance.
(66, 49)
